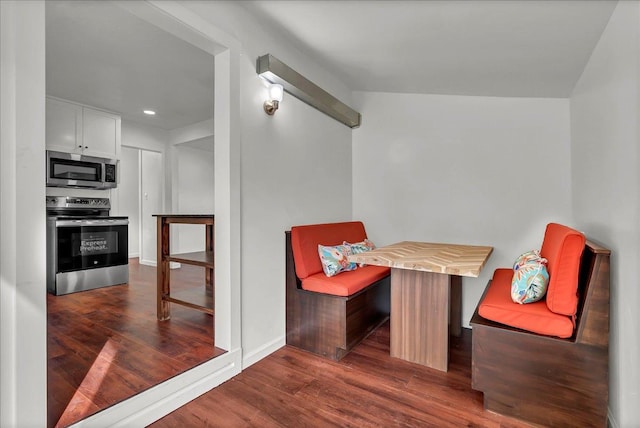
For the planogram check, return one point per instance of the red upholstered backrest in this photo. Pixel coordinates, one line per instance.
(305, 240)
(562, 247)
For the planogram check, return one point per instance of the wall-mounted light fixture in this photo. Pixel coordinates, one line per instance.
(275, 92)
(275, 71)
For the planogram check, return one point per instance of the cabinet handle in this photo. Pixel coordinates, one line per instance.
(86, 147)
(80, 146)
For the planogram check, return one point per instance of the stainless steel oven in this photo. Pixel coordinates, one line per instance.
(86, 248)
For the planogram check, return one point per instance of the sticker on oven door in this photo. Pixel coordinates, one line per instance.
(94, 243)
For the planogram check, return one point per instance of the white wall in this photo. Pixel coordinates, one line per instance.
(22, 216)
(605, 107)
(258, 38)
(192, 132)
(193, 183)
(145, 137)
(296, 168)
(194, 193)
(468, 170)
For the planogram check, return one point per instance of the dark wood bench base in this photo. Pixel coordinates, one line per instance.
(547, 380)
(329, 325)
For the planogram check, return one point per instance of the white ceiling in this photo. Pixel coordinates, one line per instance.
(101, 55)
(494, 48)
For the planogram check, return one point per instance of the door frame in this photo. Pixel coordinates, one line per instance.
(148, 406)
(23, 303)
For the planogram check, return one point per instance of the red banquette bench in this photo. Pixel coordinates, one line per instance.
(547, 362)
(330, 315)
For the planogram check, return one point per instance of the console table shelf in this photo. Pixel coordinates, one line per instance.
(199, 258)
(204, 300)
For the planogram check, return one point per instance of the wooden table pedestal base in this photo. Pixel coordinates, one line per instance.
(425, 309)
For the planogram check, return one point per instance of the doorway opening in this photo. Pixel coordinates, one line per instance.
(168, 395)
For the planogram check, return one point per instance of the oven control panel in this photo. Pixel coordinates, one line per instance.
(76, 202)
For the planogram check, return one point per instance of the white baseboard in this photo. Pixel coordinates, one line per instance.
(611, 421)
(172, 265)
(262, 352)
(150, 405)
(134, 255)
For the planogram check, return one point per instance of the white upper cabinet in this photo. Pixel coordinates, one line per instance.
(101, 133)
(64, 126)
(74, 128)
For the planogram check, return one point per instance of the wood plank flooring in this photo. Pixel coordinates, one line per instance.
(106, 345)
(367, 388)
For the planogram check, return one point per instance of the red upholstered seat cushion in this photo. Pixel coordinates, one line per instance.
(345, 283)
(535, 317)
(562, 247)
(305, 240)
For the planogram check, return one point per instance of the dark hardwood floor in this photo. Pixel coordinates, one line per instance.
(106, 345)
(367, 388)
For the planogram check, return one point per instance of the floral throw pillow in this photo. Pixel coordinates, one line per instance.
(334, 259)
(530, 278)
(524, 258)
(360, 247)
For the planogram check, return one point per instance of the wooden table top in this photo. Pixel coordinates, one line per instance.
(453, 259)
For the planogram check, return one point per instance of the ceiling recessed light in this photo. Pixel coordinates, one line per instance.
(149, 112)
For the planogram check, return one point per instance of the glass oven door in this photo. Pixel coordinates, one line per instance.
(91, 243)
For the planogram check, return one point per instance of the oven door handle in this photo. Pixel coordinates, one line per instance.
(92, 222)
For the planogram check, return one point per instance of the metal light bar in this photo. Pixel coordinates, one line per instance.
(275, 71)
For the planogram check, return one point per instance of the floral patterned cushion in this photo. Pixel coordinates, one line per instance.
(361, 247)
(530, 278)
(524, 258)
(334, 259)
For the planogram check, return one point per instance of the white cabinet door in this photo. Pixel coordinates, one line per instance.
(63, 126)
(100, 133)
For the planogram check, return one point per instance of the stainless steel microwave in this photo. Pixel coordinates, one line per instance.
(75, 170)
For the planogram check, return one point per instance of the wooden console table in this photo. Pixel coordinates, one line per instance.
(200, 258)
(426, 295)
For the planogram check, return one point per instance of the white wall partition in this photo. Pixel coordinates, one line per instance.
(193, 181)
(605, 134)
(22, 262)
(194, 193)
(23, 318)
(469, 170)
(296, 169)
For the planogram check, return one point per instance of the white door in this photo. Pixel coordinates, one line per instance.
(151, 179)
(129, 195)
